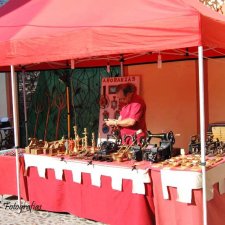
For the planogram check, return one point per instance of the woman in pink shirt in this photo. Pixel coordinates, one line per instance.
(132, 115)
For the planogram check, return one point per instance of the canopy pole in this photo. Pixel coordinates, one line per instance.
(16, 127)
(202, 130)
(25, 106)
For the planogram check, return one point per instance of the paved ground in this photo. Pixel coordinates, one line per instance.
(9, 215)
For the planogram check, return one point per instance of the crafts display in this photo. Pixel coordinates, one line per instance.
(154, 153)
(77, 147)
(192, 162)
(110, 149)
(215, 141)
(137, 150)
(212, 146)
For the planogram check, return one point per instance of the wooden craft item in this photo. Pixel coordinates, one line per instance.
(104, 102)
(60, 104)
(38, 109)
(117, 114)
(37, 151)
(47, 116)
(105, 115)
(218, 132)
(76, 140)
(114, 103)
(93, 143)
(85, 140)
(32, 144)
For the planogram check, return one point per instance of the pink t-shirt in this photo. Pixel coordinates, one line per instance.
(134, 110)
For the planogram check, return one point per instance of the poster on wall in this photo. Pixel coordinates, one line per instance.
(109, 102)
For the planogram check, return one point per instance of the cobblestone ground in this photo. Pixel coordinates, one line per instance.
(13, 217)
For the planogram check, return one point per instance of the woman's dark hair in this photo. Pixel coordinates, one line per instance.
(126, 88)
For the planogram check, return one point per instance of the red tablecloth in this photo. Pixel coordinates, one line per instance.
(107, 205)
(85, 200)
(216, 208)
(8, 183)
(172, 212)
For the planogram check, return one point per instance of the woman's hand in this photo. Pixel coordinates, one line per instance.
(111, 122)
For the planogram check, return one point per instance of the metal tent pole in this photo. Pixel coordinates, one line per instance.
(202, 130)
(25, 106)
(16, 127)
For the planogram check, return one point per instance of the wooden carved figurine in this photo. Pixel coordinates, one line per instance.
(76, 141)
(93, 143)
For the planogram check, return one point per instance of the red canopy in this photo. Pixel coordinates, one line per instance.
(45, 31)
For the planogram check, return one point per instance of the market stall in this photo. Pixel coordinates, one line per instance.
(142, 28)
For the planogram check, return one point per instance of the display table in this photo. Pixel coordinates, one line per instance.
(117, 193)
(181, 203)
(8, 183)
(109, 193)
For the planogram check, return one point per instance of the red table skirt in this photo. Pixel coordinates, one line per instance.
(105, 204)
(8, 183)
(172, 212)
(87, 201)
(216, 208)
